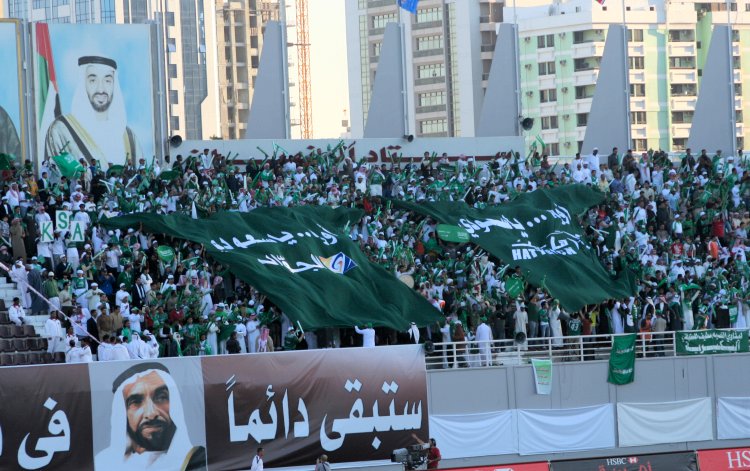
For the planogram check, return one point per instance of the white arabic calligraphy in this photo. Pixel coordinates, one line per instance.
(327, 237)
(59, 428)
(260, 430)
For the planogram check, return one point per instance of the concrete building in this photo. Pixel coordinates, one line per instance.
(188, 35)
(448, 55)
(561, 47)
(240, 27)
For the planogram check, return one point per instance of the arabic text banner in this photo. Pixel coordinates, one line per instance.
(350, 404)
(213, 412)
(45, 418)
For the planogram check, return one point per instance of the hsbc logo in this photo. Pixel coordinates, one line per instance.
(622, 461)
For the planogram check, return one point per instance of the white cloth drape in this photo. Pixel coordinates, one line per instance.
(464, 436)
(561, 430)
(664, 422)
(733, 417)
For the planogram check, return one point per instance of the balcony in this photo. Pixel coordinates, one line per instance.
(429, 81)
(636, 49)
(638, 104)
(585, 78)
(681, 129)
(682, 49)
(592, 49)
(583, 105)
(427, 25)
(488, 47)
(429, 52)
(430, 109)
(376, 31)
(679, 103)
(380, 3)
(683, 76)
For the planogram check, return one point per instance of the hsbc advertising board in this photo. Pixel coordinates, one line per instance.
(506, 467)
(661, 462)
(728, 459)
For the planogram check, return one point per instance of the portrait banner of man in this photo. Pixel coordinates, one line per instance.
(150, 417)
(11, 119)
(102, 76)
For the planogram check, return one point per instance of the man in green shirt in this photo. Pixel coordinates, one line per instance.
(51, 292)
(292, 339)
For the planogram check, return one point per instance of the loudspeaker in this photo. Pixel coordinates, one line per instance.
(175, 141)
(520, 337)
(429, 347)
(527, 123)
(408, 137)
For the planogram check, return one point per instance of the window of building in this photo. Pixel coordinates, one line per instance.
(579, 37)
(738, 89)
(582, 119)
(546, 96)
(679, 143)
(552, 148)
(636, 62)
(170, 18)
(682, 89)
(431, 98)
(174, 97)
(584, 63)
(429, 15)
(545, 40)
(549, 122)
(687, 62)
(172, 71)
(681, 35)
(640, 145)
(433, 126)
(638, 117)
(108, 11)
(379, 21)
(547, 68)
(585, 91)
(174, 123)
(637, 89)
(431, 70)
(738, 116)
(735, 35)
(736, 62)
(635, 35)
(682, 117)
(426, 43)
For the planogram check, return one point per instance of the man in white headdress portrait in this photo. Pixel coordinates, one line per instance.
(96, 127)
(148, 428)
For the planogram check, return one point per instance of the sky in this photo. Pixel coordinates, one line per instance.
(328, 66)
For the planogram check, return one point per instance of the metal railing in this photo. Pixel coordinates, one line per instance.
(508, 352)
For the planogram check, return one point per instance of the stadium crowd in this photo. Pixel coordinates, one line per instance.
(680, 224)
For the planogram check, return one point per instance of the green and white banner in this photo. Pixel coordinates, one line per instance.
(703, 342)
(622, 360)
(539, 232)
(542, 375)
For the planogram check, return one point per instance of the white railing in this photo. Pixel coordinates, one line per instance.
(473, 354)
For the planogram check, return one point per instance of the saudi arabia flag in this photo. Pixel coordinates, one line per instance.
(47, 98)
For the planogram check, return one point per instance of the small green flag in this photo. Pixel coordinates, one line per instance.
(168, 175)
(165, 253)
(450, 233)
(622, 359)
(68, 165)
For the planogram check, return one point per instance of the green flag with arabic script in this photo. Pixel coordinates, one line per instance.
(301, 260)
(622, 359)
(539, 232)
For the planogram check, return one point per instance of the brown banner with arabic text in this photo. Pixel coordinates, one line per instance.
(45, 417)
(352, 404)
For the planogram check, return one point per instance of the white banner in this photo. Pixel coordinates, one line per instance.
(665, 422)
(561, 430)
(63, 220)
(77, 231)
(733, 417)
(465, 436)
(46, 232)
(542, 375)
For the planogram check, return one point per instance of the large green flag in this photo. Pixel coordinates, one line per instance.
(538, 231)
(622, 359)
(68, 165)
(301, 260)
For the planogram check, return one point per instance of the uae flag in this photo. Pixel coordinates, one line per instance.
(47, 97)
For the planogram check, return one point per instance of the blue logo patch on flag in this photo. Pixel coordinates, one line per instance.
(409, 5)
(339, 263)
